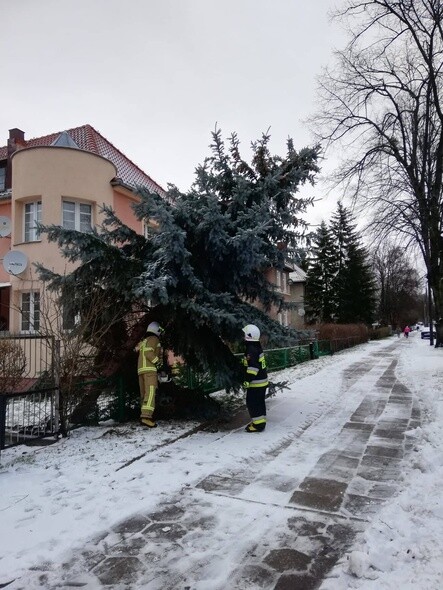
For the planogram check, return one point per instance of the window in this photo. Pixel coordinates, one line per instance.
(283, 318)
(33, 215)
(77, 216)
(149, 231)
(281, 281)
(31, 311)
(284, 283)
(2, 178)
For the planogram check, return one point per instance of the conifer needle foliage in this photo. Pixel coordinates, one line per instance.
(201, 274)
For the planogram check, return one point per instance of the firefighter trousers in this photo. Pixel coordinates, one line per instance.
(148, 383)
(255, 401)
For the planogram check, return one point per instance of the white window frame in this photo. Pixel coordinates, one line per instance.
(2, 178)
(148, 231)
(30, 323)
(33, 212)
(284, 282)
(77, 205)
(283, 318)
(278, 278)
(286, 318)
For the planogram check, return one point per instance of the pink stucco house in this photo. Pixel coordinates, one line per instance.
(62, 178)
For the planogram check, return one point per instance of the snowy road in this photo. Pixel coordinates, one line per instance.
(218, 510)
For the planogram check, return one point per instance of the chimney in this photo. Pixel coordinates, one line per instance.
(17, 135)
(16, 138)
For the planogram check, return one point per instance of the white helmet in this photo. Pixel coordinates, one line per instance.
(252, 333)
(155, 328)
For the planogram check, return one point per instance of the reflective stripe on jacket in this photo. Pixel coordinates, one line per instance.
(150, 355)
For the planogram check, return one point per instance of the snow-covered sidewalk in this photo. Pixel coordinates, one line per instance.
(227, 500)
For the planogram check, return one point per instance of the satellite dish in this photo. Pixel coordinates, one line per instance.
(301, 312)
(5, 226)
(15, 262)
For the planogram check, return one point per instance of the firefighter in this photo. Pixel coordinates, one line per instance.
(256, 379)
(150, 359)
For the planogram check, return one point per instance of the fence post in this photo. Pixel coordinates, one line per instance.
(311, 351)
(56, 365)
(2, 420)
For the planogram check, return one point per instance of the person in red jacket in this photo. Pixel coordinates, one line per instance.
(150, 358)
(255, 380)
(406, 331)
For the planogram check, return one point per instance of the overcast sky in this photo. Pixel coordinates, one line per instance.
(156, 76)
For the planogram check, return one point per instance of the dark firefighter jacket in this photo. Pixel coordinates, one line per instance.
(255, 364)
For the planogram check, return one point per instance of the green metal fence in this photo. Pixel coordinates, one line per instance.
(282, 358)
(276, 360)
(114, 399)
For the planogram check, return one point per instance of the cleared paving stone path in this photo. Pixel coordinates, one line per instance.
(313, 517)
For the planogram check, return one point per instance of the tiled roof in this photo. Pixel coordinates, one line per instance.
(88, 139)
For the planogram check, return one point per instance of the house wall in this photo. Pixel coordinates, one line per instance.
(281, 280)
(298, 297)
(5, 242)
(50, 174)
(122, 205)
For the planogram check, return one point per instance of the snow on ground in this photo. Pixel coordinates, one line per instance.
(54, 499)
(403, 547)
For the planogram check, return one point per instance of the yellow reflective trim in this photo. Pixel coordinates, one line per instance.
(151, 397)
(260, 421)
(259, 384)
(252, 371)
(147, 370)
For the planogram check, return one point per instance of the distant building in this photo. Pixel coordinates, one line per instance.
(63, 179)
(280, 278)
(290, 283)
(297, 282)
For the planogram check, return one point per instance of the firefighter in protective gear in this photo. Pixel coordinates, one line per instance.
(256, 379)
(150, 359)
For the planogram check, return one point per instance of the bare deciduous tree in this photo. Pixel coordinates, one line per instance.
(384, 103)
(12, 365)
(79, 334)
(399, 286)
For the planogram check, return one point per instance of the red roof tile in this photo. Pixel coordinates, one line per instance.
(87, 138)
